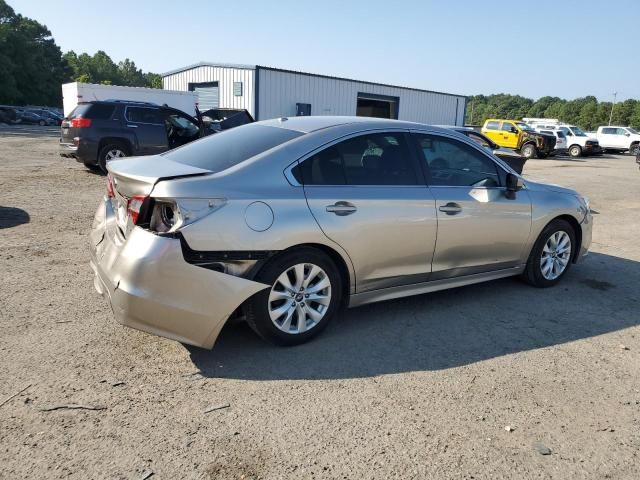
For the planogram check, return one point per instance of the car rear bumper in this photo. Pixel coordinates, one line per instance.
(68, 150)
(152, 288)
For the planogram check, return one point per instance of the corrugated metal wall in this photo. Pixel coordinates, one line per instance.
(280, 91)
(225, 77)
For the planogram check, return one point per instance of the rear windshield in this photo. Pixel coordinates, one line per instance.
(223, 150)
(95, 111)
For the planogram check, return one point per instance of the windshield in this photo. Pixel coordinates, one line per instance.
(226, 149)
(525, 127)
(632, 130)
(578, 132)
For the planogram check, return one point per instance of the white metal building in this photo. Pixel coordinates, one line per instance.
(268, 92)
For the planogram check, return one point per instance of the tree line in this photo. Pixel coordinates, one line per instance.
(586, 112)
(33, 67)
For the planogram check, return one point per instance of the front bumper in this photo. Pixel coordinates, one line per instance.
(587, 232)
(152, 288)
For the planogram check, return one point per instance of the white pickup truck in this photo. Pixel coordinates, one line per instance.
(619, 138)
(578, 143)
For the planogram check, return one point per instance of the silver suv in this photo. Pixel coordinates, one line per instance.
(290, 219)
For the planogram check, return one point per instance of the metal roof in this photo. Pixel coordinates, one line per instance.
(256, 67)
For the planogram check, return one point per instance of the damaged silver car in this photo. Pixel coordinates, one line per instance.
(289, 220)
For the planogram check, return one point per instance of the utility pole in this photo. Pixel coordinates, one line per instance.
(613, 105)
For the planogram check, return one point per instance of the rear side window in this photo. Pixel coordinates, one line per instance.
(374, 159)
(231, 147)
(493, 126)
(94, 111)
(609, 131)
(151, 116)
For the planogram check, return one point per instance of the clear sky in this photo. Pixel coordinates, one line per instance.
(566, 48)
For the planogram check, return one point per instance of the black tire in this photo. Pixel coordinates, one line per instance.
(42, 123)
(633, 150)
(109, 147)
(575, 151)
(533, 271)
(528, 151)
(257, 307)
(542, 155)
(91, 166)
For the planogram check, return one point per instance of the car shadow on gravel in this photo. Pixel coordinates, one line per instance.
(12, 217)
(441, 330)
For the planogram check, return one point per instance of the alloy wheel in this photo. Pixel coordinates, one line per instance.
(299, 298)
(556, 255)
(114, 153)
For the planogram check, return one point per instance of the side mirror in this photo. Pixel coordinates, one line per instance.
(514, 130)
(627, 134)
(513, 184)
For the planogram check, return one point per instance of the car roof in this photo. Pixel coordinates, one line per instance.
(308, 124)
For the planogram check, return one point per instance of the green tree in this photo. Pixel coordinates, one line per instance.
(31, 63)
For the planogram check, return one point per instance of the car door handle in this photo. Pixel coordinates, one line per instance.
(342, 208)
(450, 208)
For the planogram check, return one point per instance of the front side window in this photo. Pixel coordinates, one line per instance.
(144, 115)
(452, 163)
(374, 159)
(507, 127)
(621, 131)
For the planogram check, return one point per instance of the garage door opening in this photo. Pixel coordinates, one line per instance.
(380, 106)
(207, 95)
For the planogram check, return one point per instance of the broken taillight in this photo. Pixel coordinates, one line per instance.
(110, 189)
(134, 206)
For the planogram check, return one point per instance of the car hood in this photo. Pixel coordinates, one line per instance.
(548, 187)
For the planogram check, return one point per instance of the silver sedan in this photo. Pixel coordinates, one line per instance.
(286, 221)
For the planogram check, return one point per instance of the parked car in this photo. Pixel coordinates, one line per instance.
(9, 115)
(620, 139)
(561, 140)
(579, 144)
(519, 136)
(507, 155)
(289, 219)
(95, 133)
(30, 118)
(55, 118)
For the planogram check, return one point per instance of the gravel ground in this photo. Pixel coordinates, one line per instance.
(423, 387)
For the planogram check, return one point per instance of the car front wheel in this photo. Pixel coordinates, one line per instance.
(575, 151)
(551, 255)
(305, 294)
(529, 151)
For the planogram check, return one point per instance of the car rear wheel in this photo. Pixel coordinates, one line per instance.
(551, 255)
(42, 123)
(111, 151)
(529, 151)
(575, 151)
(305, 293)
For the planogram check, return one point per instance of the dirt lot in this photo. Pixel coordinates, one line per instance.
(416, 388)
